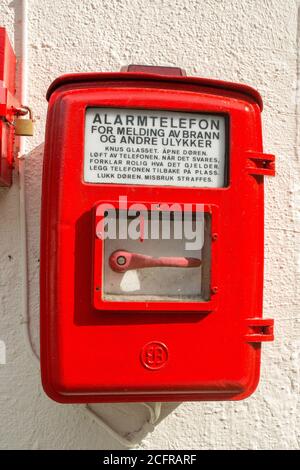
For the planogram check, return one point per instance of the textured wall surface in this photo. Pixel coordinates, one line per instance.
(251, 41)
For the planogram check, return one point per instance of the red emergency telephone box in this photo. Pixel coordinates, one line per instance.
(152, 238)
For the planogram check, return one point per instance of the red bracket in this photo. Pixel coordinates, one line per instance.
(8, 106)
(260, 164)
(259, 329)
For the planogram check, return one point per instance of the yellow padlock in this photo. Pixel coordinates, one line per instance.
(24, 126)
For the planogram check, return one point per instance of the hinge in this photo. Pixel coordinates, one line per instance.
(156, 69)
(259, 329)
(260, 163)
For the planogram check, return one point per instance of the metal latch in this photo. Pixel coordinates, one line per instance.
(121, 261)
(260, 163)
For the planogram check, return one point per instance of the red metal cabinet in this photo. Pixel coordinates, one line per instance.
(100, 346)
(8, 105)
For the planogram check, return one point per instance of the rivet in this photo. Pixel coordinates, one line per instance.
(121, 260)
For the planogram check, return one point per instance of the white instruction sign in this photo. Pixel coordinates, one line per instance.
(150, 147)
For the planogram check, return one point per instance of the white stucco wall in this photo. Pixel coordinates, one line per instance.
(251, 41)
